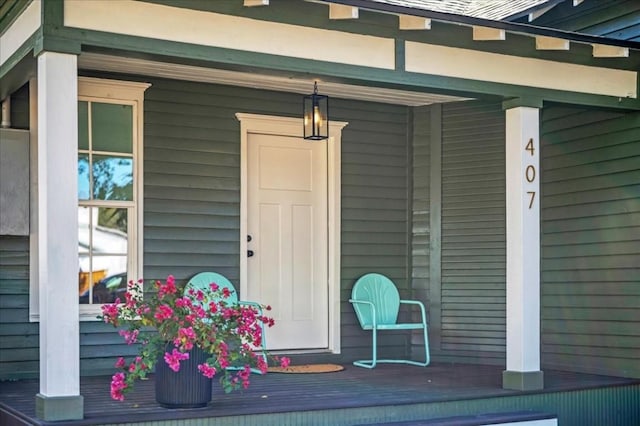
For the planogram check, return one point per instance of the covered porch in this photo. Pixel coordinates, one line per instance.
(391, 394)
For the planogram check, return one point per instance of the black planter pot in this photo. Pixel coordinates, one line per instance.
(187, 388)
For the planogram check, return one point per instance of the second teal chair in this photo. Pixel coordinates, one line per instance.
(202, 281)
(376, 302)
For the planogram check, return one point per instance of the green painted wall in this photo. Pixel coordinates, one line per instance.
(473, 233)
(591, 241)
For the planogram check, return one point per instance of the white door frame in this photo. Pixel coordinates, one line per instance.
(287, 126)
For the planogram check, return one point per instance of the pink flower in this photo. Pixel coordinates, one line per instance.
(120, 363)
(110, 312)
(168, 288)
(226, 292)
(207, 370)
(214, 286)
(173, 359)
(118, 385)
(284, 362)
(164, 312)
(185, 338)
(130, 337)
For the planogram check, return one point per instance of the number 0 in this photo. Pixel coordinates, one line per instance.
(530, 173)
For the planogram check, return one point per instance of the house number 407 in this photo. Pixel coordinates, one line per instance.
(530, 172)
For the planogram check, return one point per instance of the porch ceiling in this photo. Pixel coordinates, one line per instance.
(110, 63)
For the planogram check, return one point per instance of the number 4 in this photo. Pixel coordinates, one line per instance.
(530, 147)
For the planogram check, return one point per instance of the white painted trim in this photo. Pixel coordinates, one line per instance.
(273, 125)
(341, 11)
(604, 51)
(59, 333)
(231, 32)
(408, 22)
(522, 173)
(486, 33)
(95, 61)
(252, 3)
(493, 67)
(20, 30)
(130, 93)
(551, 43)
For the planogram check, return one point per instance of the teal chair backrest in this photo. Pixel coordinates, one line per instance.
(380, 291)
(203, 280)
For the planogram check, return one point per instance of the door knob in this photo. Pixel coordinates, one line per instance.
(249, 238)
(249, 253)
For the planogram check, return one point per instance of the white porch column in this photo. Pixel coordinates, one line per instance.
(59, 397)
(523, 249)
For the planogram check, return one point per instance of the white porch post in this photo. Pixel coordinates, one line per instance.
(59, 397)
(523, 249)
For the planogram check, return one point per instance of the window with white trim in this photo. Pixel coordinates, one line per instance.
(109, 190)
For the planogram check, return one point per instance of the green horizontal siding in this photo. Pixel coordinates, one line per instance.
(590, 241)
(473, 233)
(19, 349)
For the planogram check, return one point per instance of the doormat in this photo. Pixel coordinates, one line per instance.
(307, 368)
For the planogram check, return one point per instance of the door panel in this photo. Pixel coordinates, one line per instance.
(287, 219)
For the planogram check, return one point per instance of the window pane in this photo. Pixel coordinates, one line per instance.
(112, 178)
(111, 127)
(83, 125)
(110, 278)
(83, 177)
(110, 231)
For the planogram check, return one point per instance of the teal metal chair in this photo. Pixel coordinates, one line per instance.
(203, 280)
(376, 302)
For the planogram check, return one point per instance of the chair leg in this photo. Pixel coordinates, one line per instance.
(370, 363)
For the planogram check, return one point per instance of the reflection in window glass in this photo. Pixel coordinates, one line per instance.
(112, 127)
(112, 178)
(83, 177)
(103, 250)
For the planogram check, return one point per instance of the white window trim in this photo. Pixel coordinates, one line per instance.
(96, 89)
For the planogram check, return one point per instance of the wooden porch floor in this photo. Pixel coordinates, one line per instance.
(386, 386)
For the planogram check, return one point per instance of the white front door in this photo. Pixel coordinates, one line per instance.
(287, 225)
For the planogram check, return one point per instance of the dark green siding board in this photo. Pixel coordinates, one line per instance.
(19, 348)
(590, 224)
(473, 290)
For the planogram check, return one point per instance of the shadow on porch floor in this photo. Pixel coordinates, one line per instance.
(342, 394)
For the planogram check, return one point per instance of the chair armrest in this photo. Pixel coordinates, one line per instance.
(373, 311)
(420, 304)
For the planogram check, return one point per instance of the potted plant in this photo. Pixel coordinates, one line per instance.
(196, 330)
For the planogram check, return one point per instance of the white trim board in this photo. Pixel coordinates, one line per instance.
(273, 125)
(484, 66)
(20, 30)
(100, 62)
(226, 31)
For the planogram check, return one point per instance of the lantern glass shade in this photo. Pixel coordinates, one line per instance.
(315, 110)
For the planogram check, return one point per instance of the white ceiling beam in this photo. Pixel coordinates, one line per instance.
(340, 11)
(603, 51)
(551, 43)
(408, 22)
(486, 33)
(538, 13)
(252, 3)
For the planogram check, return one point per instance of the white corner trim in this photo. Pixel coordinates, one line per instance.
(274, 125)
(20, 30)
(604, 51)
(341, 11)
(231, 32)
(493, 67)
